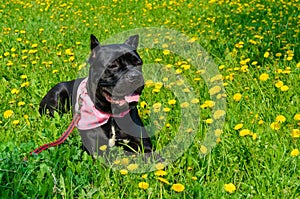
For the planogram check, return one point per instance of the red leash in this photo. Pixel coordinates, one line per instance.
(60, 140)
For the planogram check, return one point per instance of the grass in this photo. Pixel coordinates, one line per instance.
(254, 46)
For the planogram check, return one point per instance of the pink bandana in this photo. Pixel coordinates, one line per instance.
(90, 116)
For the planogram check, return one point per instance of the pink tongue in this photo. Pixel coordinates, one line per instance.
(132, 98)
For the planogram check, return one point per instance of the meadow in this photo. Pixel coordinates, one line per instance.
(249, 98)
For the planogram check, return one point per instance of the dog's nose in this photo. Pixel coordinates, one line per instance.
(133, 76)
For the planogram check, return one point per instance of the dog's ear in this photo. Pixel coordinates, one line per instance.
(133, 41)
(94, 42)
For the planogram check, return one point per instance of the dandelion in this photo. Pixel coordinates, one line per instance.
(214, 90)
(125, 161)
(218, 114)
(8, 114)
(296, 133)
(172, 102)
(284, 88)
(103, 147)
(123, 171)
(297, 116)
(218, 132)
(237, 97)
(238, 126)
(275, 125)
(209, 121)
(203, 149)
(280, 119)
(166, 52)
(166, 110)
(195, 101)
(279, 84)
(159, 166)
(163, 180)
(178, 187)
(266, 55)
(132, 167)
(264, 77)
(157, 105)
(230, 188)
(184, 105)
(143, 185)
(25, 84)
(295, 152)
(160, 173)
(245, 132)
(21, 103)
(15, 91)
(298, 65)
(144, 176)
(15, 122)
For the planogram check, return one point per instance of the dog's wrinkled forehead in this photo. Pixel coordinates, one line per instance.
(104, 56)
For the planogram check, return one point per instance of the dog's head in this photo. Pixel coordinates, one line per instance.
(115, 78)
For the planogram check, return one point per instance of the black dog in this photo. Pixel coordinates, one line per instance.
(106, 100)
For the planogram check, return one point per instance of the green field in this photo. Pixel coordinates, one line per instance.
(247, 103)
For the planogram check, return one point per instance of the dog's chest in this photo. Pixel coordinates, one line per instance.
(115, 136)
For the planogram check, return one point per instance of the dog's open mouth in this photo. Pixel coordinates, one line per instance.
(122, 100)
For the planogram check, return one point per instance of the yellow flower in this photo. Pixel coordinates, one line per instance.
(254, 136)
(23, 76)
(238, 126)
(279, 84)
(194, 178)
(166, 109)
(103, 147)
(184, 105)
(245, 132)
(263, 77)
(284, 88)
(297, 116)
(166, 52)
(178, 187)
(159, 166)
(15, 122)
(296, 133)
(172, 102)
(21, 103)
(123, 171)
(15, 91)
(214, 90)
(132, 167)
(143, 185)
(218, 132)
(157, 105)
(280, 119)
(160, 173)
(218, 114)
(209, 121)
(34, 45)
(125, 161)
(163, 180)
(275, 126)
(8, 114)
(144, 176)
(203, 149)
(295, 152)
(25, 84)
(237, 97)
(195, 101)
(230, 188)
(298, 65)
(266, 55)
